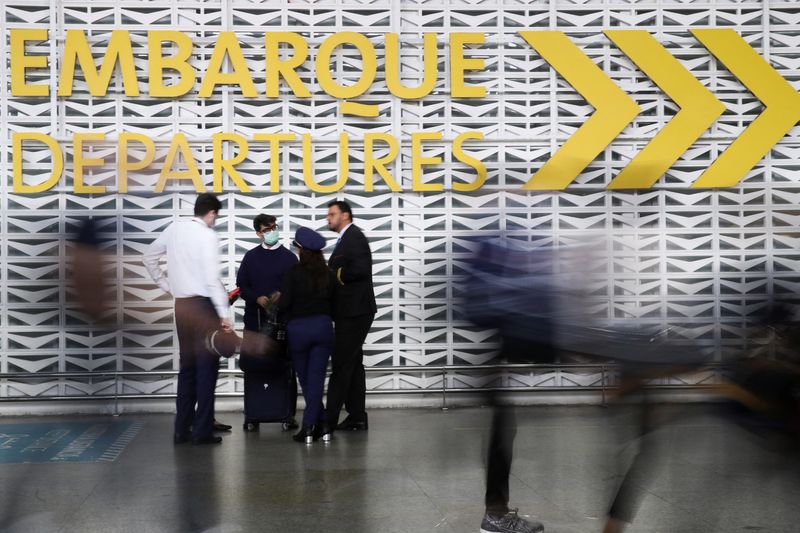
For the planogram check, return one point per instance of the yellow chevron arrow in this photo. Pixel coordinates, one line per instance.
(699, 109)
(781, 101)
(613, 109)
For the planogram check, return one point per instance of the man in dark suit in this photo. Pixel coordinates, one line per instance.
(353, 311)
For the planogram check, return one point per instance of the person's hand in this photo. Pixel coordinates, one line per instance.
(275, 296)
(226, 324)
(263, 301)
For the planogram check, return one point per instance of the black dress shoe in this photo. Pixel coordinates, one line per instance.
(221, 427)
(323, 431)
(180, 438)
(208, 440)
(353, 425)
(307, 434)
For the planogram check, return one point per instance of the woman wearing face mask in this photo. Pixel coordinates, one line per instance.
(305, 301)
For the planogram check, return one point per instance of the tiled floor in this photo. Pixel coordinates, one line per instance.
(415, 471)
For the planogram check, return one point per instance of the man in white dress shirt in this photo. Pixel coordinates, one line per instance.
(191, 247)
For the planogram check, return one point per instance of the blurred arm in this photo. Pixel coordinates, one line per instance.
(152, 258)
(210, 276)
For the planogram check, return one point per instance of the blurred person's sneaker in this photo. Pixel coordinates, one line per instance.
(510, 522)
(180, 438)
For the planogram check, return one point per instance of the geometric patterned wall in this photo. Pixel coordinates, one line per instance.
(700, 260)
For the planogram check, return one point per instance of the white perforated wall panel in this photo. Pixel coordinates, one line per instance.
(700, 260)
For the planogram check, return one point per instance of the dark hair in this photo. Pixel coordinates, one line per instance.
(343, 206)
(263, 220)
(206, 203)
(313, 262)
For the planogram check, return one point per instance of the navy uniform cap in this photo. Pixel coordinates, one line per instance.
(309, 239)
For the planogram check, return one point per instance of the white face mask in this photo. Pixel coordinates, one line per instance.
(271, 238)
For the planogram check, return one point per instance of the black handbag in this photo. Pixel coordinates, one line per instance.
(273, 328)
(265, 350)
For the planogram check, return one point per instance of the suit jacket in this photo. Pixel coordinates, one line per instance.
(351, 262)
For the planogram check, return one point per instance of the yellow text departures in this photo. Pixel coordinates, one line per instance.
(180, 164)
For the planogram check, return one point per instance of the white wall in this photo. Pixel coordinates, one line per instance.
(696, 259)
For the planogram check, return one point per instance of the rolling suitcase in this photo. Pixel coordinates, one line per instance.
(270, 396)
(270, 384)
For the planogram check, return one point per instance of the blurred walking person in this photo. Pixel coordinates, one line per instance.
(508, 294)
(538, 300)
(91, 283)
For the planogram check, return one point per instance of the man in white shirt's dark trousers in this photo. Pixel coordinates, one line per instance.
(191, 247)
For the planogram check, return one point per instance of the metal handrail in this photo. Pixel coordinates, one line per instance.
(370, 369)
(442, 369)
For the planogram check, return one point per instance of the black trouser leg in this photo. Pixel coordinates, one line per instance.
(355, 401)
(639, 474)
(197, 379)
(504, 423)
(501, 448)
(348, 380)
